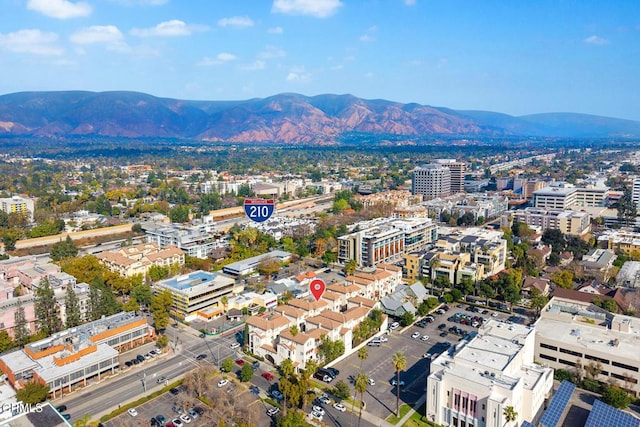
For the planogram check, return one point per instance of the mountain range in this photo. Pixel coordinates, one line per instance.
(287, 118)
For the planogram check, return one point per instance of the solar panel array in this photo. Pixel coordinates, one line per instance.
(558, 404)
(526, 424)
(605, 415)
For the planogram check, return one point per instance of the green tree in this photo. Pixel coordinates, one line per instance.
(330, 350)
(363, 354)
(5, 341)
(33, 392)
(46, 309)
(510, 414)
(161, 304)
(537, 301)
(563, 279)
(407, 318)
(131, 305)
(341, 390)
(246, 373)
(63, 250)
(157, 272)
(72, 308)
(293, 418)
(616, 397)
(627, 209)
(142, 294)
(20, 329)
(350, 267)
(227, 365)
(179, 214)
(361, 383)
(399, 364)
(162, 341)
(294, 330)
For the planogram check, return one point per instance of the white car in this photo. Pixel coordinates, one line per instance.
(234, 346)
(415, 335)
(425, 338)
(339, 406)
(272, 411)
(383, 338)
(372, 381)
(427, 356)
(133, 412)
(324, 399)
(223, 383)
(494, 314)
(316, 415)
(394, 382)
(395, 325)
(319, 409)
(186, 418)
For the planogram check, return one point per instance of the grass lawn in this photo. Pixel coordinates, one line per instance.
(416, 420)
(404, 408)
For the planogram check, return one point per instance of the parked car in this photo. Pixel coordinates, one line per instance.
(339, 406)
(193, 414)
(234, 346)
(374, 343)
(272, 411)
(201, 356)
(185, 418)
(177, 409)
(427, 356)
(161, 419)
(372, 381)
(276, 394)
(268, 376)
(61, 408)
(415, 335)
(239, 362)
(128, 363)
(223, 383)
(383, 338)
(140, 358)
(132, 412)
(174, 391)
(442, 326)
(199, 410)
(394, 325)
(317, 408)
(161, 380)
(425, 338)
(177, 422)
(255, 365)
(394, 382)
(333, 372)
(324, 399)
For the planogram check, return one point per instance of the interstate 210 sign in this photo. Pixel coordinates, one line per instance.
(259, 210)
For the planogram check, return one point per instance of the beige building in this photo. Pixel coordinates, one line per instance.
(620, 241)
(137, 259)
(572, 333)
(20, 205)
(568, 222)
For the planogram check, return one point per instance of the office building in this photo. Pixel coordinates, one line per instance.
(563, 195)
(473, 382)
(572, 333)
(568, 222)
(197, 240)
(197, 291)
(458, 171)
(431, 181)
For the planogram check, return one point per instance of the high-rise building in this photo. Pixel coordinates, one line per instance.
(458, 170)
(17, 204)
(431, 181)
(635, 192)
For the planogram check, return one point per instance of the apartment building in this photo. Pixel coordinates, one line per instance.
(568, 222)
(627, 242)
(271, 336)
(69, 359)
(249, 265)
(431, 181)
(197, 240)
(487, 247)
(19, 205)
(478, 205)
(385, 240)
(197, 291)
(571, 333)
(473, 382)
(138, 259)
(455, 266)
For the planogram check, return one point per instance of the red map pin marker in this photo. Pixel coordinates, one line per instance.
(317, 287)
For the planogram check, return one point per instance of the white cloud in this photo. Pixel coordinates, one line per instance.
(60, 9)
(173, 28)
(368, 75)
(220, 58)
(236, 22)
(109, 35)
(298, 74)
(271, 52)
(141, 2)
(257, 65)
(317, 8)
(409, 2)
(595, 40)
(31, 41)
(275, 30)
(368, 37)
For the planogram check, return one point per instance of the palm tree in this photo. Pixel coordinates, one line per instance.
(360, 385)
(399, 363)
(510, 414)
(362, 355)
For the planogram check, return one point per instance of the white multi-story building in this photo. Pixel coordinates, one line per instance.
(385, 240)
(635, 192)
(572, 333)
(431, 181)
(473, 382)
(563, 195)
(458, 170)
(568, 222)
(197, 240)
(17, 204)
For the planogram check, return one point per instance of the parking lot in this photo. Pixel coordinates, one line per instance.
(380, 398)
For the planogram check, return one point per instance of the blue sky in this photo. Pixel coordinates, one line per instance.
(516, 57)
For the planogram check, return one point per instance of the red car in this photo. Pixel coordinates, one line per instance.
(239, 362)
(268, 376)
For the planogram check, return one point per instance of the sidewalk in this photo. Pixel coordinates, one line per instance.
(408, 415)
